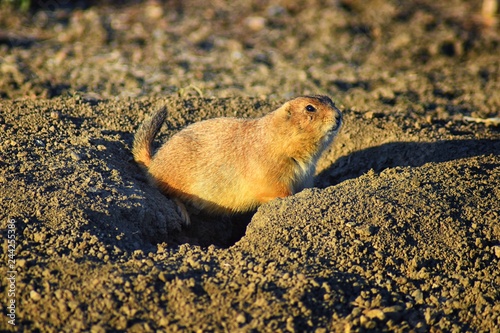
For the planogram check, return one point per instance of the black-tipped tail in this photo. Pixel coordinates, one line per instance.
(145, 135)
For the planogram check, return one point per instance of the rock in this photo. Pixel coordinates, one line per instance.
(55, 114)
(394, 312)
(496, 250)
(375, 313)
(255, 23)
(21, 263)
(97, 329)
(75, 156)
(418, 296)
(35, 296)
(241, 318)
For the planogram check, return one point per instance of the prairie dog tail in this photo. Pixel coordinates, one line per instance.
(145, 135)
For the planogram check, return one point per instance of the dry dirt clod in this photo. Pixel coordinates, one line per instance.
(35, 296)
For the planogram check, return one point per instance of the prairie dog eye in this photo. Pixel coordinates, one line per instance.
(310, 108)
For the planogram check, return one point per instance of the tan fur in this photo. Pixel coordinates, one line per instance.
(230, 165)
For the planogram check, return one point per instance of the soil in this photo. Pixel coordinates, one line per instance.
(400, 234)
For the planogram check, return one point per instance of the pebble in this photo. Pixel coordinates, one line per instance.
(496, 250)
(58, 293)
(154, 10)
(73, 304)
(39, 237)
(367, 323)
(35, 296)
(371, 114)
(39, 143)
(55, 114)
(162, 277)
(241, 318)
(255, 23)
(97, 329)
(418, 296)
(375, 313)
(75, 156)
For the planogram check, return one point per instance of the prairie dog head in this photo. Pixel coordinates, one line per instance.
(310, 122)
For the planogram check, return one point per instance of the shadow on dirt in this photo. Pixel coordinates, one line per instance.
(403, 154)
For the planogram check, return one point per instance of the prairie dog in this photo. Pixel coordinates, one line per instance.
(232, 165)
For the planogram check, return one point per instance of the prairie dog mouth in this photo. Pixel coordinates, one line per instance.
(337, 124)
